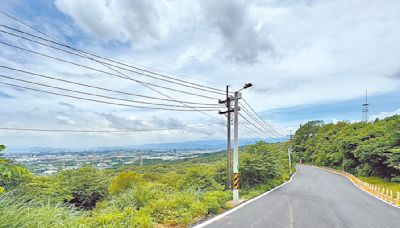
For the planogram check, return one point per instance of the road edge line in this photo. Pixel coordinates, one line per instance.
(355, 185)
(218, 217)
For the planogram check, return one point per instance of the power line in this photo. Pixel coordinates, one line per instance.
(249, 131)
(270, 131)
(258, 129)
(56, 41)
(101, 88)
(104, 102)
(143, 84)
(126, 77)
(266, 123)
(105, 131)
(133, 71)
(102, 96)
(104, 72)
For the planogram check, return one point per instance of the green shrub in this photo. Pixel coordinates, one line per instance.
(12, 175)
(176, 209)
(23, 214)
(199, 178)
(43, 190)
(125, 181)
(139, 196)
(215, 200)
(87, 186)
(129, 217)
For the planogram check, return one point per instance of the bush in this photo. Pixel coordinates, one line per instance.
(87, 186)
(125, 181)
(395, 179)
(215, 200)
(22, 214)
(115, 218)
(139, 196)
(199, 178)
(12, 175)
(181, 208)
(43, 190)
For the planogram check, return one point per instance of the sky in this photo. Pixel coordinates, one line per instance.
(306, 59)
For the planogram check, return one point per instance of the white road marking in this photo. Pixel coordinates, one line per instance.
(218, 217)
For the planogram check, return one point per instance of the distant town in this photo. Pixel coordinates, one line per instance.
(50, 162)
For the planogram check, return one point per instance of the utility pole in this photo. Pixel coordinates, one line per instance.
(290, 160)
(236, 150)
(140, 160)
(228, 142)
(235, 110)
(343, 162)
(289, 155)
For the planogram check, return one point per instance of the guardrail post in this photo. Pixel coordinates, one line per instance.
(391, 197)
(387, 194)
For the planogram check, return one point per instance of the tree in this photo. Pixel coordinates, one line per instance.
(304, 134)
(11, 175)
(2, 147)
(199, 178)
(124, 182)
(87, 186)
(366, 149)
(256, 169)
(44, 190)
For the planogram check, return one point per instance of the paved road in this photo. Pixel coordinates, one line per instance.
(314, 198)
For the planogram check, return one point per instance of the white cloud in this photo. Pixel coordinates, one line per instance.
(128, 21)
(242, 37)
(65, 120)
(294, 52)
(383, 115)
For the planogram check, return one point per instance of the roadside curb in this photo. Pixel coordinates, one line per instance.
(218, 217)
(365, 187)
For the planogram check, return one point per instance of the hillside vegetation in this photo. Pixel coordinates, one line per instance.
(364, 149)
(166, 194)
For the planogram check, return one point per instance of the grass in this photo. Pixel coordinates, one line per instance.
(394, 186)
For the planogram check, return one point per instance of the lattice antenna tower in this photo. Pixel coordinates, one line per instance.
(365, 108)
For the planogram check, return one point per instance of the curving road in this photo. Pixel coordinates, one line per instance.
(315, 198)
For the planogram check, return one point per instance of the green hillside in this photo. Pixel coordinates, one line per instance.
(169, 193)
(365, 149)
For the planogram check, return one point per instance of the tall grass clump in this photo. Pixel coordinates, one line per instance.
(19, 213)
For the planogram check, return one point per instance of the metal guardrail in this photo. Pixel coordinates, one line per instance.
(377, 191)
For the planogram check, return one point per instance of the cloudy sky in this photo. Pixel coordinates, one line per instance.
(307, 59)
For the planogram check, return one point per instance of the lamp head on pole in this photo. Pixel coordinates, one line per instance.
(247, 85)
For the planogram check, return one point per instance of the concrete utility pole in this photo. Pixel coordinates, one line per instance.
(236, 150)
(290, 160)
(289, 155)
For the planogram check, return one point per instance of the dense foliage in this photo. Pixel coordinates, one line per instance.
(174, 194)
(365, 149)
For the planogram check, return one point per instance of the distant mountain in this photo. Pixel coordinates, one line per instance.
(185, 145)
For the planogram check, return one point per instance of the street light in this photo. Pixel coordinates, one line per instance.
(238, 96)
(247, 85)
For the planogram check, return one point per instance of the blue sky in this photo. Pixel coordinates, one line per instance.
(380, 106)
(306, 59)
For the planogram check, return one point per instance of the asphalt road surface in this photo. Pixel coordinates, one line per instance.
(314, 198)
